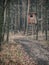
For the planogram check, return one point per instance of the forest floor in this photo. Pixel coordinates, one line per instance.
(22, 50)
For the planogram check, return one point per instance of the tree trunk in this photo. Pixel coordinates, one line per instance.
(37, 22)
(24, 13)
(1, 23)
(18, 15)
(3, 28)
(27, 14)
(46, 24)
(8, 22)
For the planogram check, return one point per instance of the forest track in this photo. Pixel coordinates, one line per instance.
(38, 50)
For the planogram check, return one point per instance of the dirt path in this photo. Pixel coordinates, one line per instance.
(36, 49)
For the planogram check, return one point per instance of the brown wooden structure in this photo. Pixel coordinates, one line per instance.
(32, 17)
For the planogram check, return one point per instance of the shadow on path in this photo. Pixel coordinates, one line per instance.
(39, 53)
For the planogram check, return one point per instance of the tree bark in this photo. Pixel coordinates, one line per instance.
(8, 20)
(1, 22)
(18, 15)
(37, 22)
(27, 15)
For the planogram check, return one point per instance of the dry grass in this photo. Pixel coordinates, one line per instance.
(14, 54)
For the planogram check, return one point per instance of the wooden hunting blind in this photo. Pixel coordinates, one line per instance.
(32, 17)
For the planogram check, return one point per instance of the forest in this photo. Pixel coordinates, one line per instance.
(14, 14)
(24, 27)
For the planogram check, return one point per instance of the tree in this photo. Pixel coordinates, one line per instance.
(1, 20)
(24, 13)
(27, 14)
